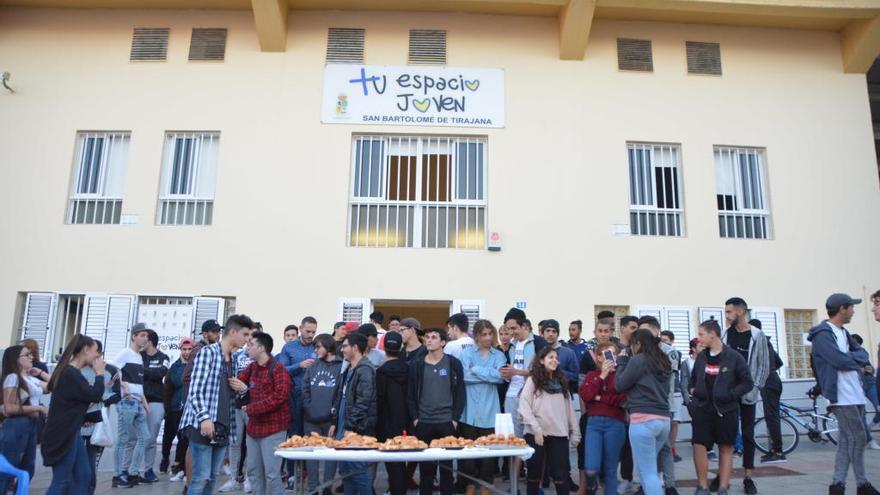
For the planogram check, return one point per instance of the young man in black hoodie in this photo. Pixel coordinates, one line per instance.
(718, 381)
(435, 399)
(156, 364)
(391, 388)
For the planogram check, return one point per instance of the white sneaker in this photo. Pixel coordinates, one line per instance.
(874, 445)
(247, 486)
(230, 486)
(178, 477)
(623, 487)
(227, 470)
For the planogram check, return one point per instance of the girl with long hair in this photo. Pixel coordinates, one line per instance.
(547, 412)
(606, 430)
(63, 448)
(21, 406)
(645, 377)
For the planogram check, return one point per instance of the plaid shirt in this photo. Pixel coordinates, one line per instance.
(204, 391)
(269, 388)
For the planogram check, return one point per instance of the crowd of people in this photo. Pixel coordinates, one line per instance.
(617, 399)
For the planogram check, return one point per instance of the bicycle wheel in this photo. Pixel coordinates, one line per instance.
(829, 426)
(789, 432)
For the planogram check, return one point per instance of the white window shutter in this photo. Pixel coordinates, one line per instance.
(716, 314)
(655, 311)
(678, 321)
(207, 308)
(39, 319)
(771, 321)
(120, 311)
(474, 309)
(94, 322)
(355, 309)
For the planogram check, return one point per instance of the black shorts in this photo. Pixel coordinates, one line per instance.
(709, 428)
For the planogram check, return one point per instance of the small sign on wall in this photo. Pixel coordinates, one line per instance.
(129, 219)
(494, 241)
(620, 230)
(521, 305)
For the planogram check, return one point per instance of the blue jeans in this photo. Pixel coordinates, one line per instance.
(871, 394)
(359, 482)
(646, 440)
(71, 475)
(206, 462)
(132, 419)
(18, 443)
(602, 447)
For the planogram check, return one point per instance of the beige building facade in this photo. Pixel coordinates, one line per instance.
(174, 190)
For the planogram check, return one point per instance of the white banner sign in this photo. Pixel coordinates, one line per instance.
(425, 96)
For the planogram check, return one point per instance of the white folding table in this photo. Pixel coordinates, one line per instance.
(431, 454)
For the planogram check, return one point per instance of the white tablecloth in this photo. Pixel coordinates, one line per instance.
(425, 455)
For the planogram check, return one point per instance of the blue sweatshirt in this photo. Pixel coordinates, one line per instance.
(292, 354)
(482, 378)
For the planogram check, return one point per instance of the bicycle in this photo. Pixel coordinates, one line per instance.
(789, 416)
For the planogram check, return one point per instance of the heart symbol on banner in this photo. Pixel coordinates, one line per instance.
(472, 85)
(422, 105)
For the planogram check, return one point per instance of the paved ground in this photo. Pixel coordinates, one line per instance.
(807, 472)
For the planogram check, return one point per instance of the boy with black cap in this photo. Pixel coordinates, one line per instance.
(411, 331)
(369, 331)
(837, 360)
(391, 388)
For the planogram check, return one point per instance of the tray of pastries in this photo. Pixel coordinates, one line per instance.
(306, 443)
(353, 441)
(500, 441)
(451, 443)
(403, 444)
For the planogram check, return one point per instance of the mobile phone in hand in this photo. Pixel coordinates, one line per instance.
(608, 355)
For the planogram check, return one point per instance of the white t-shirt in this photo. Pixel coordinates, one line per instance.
(131, 365)
(518, 361)
(849, 383)
(34, 391)
(456, 347)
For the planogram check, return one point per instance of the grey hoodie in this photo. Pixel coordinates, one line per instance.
(646, 392)
(319, 386)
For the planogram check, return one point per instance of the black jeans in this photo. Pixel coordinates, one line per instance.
(770, 398)
(626, 458)
(397, 479)
(747, 425)
(172, 422)
(427, 470)
(552, 456)
(483, 469)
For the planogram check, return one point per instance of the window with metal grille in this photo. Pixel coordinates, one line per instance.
(634, 55)
(427, 47)
(703, 58)
(797, 326)
(741, 193)
(345, 45)
(100, 161)
(208, 44)
(655, 190)
(189, 172)
(418, 191)
(149, 45)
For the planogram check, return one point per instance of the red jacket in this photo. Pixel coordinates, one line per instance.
(610, 401)
(269, 388)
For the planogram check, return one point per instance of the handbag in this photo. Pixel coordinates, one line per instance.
(102, 435)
